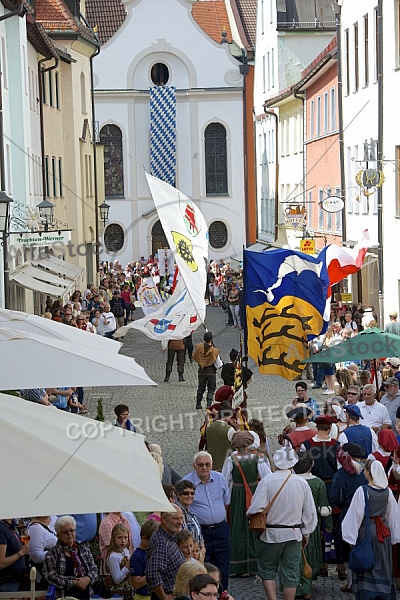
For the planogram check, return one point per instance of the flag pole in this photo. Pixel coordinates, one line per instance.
(244, 325)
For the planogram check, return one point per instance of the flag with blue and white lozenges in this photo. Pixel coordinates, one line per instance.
(163, 133)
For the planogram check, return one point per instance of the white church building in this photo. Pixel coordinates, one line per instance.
(169, 101)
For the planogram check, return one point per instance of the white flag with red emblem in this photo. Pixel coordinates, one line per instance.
(186, 231)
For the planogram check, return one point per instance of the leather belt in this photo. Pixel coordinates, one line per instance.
(213, 526)
(298, 526)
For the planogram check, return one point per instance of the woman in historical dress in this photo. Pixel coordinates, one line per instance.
(385, 531)
(313, 550)
(254, 466)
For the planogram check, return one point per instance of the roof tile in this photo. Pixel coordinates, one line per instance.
(54, 15)
(212, 17)
(247, 10)
(107, 16)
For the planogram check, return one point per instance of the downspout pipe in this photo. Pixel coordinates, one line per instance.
(96, 190)
(379, 157)
(271, 113)
(19, 12)
(341, 123)
(41, 72)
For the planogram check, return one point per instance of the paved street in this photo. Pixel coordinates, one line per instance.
(167, 416)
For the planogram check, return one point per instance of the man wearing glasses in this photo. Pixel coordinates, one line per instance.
(209, 507)
(392, 398)
(374, 413)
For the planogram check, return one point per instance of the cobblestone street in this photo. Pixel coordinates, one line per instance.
(166, 415)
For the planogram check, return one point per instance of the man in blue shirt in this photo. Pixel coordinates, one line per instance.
(209, 506)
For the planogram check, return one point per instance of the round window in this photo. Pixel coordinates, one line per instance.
(218, 234)
(159, 74)
(114, 237)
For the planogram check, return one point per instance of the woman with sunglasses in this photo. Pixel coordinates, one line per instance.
(184, 492)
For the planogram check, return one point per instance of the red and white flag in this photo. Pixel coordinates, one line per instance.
(342, 262)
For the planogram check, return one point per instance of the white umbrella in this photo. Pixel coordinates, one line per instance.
(33, 361)
(53, 463)
(48, 328)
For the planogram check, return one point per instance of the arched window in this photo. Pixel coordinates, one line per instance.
(111, 138)
(159, 74)
(218, 234)
(114, 237)
(216, 160)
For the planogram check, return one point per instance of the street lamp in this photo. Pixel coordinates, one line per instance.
(46, 211)
(104, 209)
(5, 202)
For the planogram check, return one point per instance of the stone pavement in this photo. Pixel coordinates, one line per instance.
(166, 414)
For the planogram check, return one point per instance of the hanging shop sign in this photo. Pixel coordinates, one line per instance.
(296, 216)
(332, 204)
(307, 246)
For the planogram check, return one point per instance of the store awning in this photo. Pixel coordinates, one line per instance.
(63, 267)
(39, 284)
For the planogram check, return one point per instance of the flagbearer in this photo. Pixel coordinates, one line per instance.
(205, 355)
(175, 347)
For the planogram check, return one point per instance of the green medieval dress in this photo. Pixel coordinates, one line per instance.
(313, 550)
(243, 557)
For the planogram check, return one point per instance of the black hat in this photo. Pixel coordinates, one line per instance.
(304, 465)
(299, 412)
(354, 450)
(208, 337)
(233, 354)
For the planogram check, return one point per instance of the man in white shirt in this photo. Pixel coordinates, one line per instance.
(289, 524)
(375, 414)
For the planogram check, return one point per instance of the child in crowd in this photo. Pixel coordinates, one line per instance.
(118, 556)
(122, 414)
(139, 560)
(185, 543)
(196, 554)
(74, 405)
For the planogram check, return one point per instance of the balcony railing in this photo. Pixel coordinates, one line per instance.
(306, 24)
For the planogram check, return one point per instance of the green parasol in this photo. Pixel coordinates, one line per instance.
(370, 343)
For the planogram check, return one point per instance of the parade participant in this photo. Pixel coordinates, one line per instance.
(388, 444)
(185, 491)
(205, 355)
(356, 433)
(344, 484)
(322, 448)
(118, 556)
(164, 557)
(209, 506)
(242, 470)
(70, 565)
(313, 550)
(12, 553)
(300, 415)
(289, 524)
(384, 527)
(218, 442)
(224, 393)
(178, 348)
(375, 415)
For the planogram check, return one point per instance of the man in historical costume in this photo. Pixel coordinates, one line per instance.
(205, 355)
(356, 433)
(289, 525)
(344, 484)
(175, 347)
(301, 415)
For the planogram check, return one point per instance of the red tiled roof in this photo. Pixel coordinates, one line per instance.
(107, 16)
(54, 15)
(247, 10)
(212, 17)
